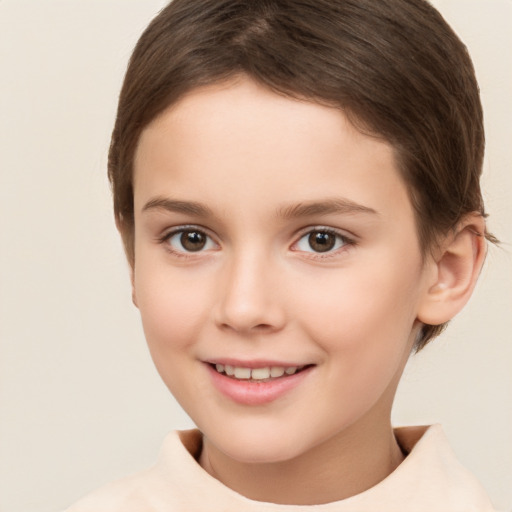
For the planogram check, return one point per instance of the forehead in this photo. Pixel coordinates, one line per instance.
(239, 141)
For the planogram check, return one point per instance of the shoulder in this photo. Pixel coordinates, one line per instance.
(432, 472)
(151, 489)
(127, 495)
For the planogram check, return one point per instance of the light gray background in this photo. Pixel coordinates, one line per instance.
(80, 402)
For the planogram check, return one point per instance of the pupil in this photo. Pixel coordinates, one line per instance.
(192, 240)
(321, 241)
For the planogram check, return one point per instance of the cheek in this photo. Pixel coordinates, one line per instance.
(170, 309)
(366, 339)
(363, 318)
(172, 316)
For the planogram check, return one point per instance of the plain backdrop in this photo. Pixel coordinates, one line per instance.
(80, 402)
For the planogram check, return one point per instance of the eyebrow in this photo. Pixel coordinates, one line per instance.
(173, 205)
(303, 209)
(324, 207)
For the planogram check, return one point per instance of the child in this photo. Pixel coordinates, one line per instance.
(296, 183)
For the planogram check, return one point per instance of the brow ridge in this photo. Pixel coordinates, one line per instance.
(324, 207)
(174, 205)
(287, 212)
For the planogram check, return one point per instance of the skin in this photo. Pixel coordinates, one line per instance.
(238, 163)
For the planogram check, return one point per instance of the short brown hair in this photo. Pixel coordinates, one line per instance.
(394, 67)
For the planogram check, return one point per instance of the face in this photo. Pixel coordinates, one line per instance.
(277, 269)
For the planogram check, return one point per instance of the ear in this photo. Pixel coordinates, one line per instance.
(132, 281)
(122, 229)
(454, 271)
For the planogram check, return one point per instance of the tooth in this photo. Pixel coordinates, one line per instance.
(242, 373)
(276, 371)
(219, 367)
(230, 370)
(260, 373)
(291, 370)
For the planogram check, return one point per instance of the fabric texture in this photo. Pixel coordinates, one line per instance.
(430, 479)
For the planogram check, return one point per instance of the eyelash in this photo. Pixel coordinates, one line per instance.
(164, 240)
(331, 252)
(346, 241)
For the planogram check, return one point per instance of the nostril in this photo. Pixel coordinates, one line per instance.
(243, 307)
(258, 328)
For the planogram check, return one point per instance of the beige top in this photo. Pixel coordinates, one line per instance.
(430, 479)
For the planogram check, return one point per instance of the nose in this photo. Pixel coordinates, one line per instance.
(249, 295)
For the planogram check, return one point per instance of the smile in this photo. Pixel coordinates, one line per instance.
(258, 384)
(257, 374)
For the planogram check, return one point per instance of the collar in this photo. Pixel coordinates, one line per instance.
(429, 479)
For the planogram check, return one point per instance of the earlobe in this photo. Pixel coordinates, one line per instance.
(455, 271)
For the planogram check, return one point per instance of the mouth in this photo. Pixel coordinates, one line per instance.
(262, 374)
(256, 384)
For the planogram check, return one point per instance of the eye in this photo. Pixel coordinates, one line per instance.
(321, 241)
(189, 240)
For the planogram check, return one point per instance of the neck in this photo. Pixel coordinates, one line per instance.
(351, 462)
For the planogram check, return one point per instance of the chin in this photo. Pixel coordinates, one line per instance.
(258, 443)
(255, 451)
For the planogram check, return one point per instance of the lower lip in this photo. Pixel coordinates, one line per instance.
(248, 392)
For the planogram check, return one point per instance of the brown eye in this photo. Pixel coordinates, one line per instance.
(193, 240)
(189, 240)
(321, 241)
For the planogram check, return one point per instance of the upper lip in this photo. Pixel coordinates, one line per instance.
(254, 363)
